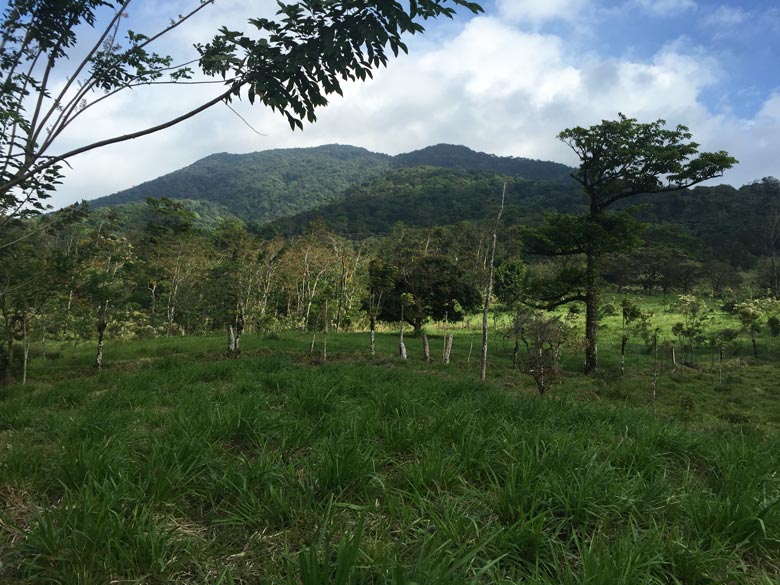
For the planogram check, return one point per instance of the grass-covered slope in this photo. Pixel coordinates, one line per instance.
(278, 469)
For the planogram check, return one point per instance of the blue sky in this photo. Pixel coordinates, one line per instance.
(505, 82)
(742, 38)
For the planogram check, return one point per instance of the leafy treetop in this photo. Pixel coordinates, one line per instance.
(623, 158)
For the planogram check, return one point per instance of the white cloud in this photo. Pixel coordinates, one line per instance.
(726, 16)
(536, 12)
(666, 7)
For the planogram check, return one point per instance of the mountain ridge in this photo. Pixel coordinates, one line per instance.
(264, 186)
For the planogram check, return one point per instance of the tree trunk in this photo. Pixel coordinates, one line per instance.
(591, 310)
(401, 344)
(25, 349)
(8, 361)
(448, 348)
(426, 349)
(152, 288)
(231, 350)
(444, 340)
(372, 320)
(171, 309)
(623, 343)
(101, 329)
(488, 292)
(325, 342)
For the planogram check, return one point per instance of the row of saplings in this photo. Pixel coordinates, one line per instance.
(540, 339)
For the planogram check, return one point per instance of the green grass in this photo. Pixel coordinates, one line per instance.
(177, 466)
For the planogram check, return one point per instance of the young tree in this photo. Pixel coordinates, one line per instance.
(544, 338)
(620, 159)
(690, 331)
(104, 280)
(50, 75)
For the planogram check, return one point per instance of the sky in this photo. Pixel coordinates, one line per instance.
(504, 82)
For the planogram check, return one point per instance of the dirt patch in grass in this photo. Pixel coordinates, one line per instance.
(17, 509)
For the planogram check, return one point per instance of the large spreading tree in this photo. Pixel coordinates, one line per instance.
(619, 159)
(51, 72)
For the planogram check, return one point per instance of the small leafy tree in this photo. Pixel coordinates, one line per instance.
(544, 338)
(750, 313)
(630, 313)
(721, 340)
(690, 331)
(105, 281)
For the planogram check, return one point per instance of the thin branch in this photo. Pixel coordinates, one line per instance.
(69, 121)
(117, 139)
(240, 117)
(175, 24)
(74, 76)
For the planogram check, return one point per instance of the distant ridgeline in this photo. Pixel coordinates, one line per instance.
(263, 186)
(360, 194)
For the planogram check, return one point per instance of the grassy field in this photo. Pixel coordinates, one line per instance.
(177, 466)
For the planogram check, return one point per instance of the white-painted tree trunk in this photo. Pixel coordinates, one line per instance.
(489, 291)
(448, 348)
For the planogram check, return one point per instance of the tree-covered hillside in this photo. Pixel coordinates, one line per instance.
(736, 225)
(263, 186)
(460, 157)
(430, 196)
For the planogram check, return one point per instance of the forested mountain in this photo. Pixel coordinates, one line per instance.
(431, 196)
(263, 186)
(460, 157)
(360, 194)
(735, 225)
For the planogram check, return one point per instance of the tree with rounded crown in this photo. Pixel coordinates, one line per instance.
(620, 159)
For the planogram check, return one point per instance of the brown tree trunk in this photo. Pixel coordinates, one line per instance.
(8, 361)
(25, 349)
(372, 346)
(623, 342)
(101, 329)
